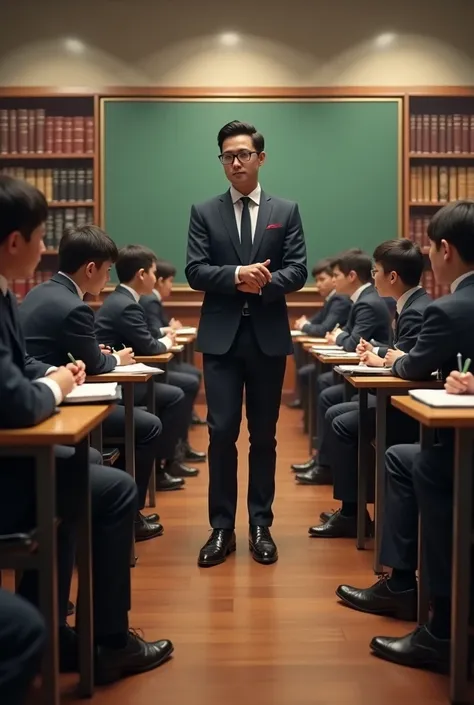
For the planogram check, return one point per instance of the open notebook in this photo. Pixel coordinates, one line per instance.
(364, 370)
(136, 369)
(87, 392)
(439, 398)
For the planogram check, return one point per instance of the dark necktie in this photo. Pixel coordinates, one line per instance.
(246, 231)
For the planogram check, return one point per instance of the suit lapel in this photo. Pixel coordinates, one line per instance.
(226, 209)
(264, 213)
(13, 326)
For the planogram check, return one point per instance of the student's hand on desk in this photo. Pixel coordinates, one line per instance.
(168, 330)
(331, 337)
(371, 359)
(391, 356)
(79, 371)
(64, 378)
(105, 349)
(364, 347)
(127, 356)
(301, 322)
(249, 289)
(459, 383)
(175, 324)
(256, 275)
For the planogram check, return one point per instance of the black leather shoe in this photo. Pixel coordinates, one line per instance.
(194, 456)
(151, 518)
(303, 467)
(262, 545)
(295, 404)
(419, 649)
(145, 530)
(178, 469)
(166, 483)
(138, 656)
(318, 475)
(216, 549)
(71, 608)
(197, 421)
(339, 527)
(379, 599)
(325, 516)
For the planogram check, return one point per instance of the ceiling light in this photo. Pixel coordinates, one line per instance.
(229, 39)
(385, 40)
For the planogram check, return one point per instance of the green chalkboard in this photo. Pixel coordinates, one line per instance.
(340, 159)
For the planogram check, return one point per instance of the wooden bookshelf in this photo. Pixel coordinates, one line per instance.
(28, 156)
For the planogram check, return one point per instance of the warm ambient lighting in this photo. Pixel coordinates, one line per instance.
(385, 40)
(74, 46)
(229, 39)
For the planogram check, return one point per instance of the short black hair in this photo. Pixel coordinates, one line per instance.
(355, 260)
(323, 266)
(131, 259)
(87, 243)
(455, 224)
(22, 207)
(236, 128)
(165, 269)
(403, 257)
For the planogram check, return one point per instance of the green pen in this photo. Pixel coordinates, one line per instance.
(74, 362)
(467, 364)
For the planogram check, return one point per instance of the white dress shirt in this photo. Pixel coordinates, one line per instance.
(254, 205)
(457, 281)
(80, 293)
(404, 298)
(166, 340)
(358, 292)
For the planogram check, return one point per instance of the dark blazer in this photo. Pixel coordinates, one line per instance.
(447, 330)
(56, 321)
(335, 310)
(24, 402)
(155, 314)
(369, 318)
(407, 325)
(214, 252)
(121, 321)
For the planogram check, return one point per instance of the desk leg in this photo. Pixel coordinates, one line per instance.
(84, 569)
(363, 463)
(427, 441)
(151, 409)
(380, 446)
(48, 581)
(461, 572)
(129, 403)
(310, 410)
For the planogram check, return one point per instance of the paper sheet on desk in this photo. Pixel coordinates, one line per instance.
(186, 331)
(364, 370)
(339, 353)
(439, 398)
(327, 348)
(136, 369)
(102, 391)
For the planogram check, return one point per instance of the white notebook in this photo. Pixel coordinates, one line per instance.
(326, 348)
(102, 391)
(364, 370)
(136, 369)
(189, 330)
(439, 398)
(296, 333)
(340, 353)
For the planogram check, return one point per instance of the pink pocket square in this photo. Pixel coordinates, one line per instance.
(272, 226)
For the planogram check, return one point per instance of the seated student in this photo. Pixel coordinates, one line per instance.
(369, 318)
(22, 637)
(32, 398)
(335, 311)
(397, 273)
(422, 482)
(56, 321)
(121, 319)
(159, 324)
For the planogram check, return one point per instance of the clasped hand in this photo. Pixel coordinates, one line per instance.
(253, 277)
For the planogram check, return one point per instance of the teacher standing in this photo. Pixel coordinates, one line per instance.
(246, 250)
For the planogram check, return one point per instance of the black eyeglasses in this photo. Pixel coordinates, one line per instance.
(245, 155)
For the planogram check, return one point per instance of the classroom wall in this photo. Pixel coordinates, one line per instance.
(178, 43)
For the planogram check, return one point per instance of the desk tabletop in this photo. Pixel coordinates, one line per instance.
(120, 377)
(389, 382)
(162, 359)
(434, 418)
(308, 339)
(67, 427)
(335, 359)
(186, 338)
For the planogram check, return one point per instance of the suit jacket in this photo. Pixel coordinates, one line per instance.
(155, 314)
(56, 321)
(335, 310)
(446, 331)
(121, 320)
(214, 252)
(408, 324)
(24, 402)
(369, 318)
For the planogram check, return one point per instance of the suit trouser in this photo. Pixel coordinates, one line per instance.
(328, 394)
(189, 385)
(226, 376)
(22, 636)
(114, 505)
(170, 407)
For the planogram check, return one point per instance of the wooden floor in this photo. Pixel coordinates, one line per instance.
(247, 634)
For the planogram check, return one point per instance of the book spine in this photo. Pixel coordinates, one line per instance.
(63, 177)
(67, 136)
(58, 135)
(426, 184)
(462, 182)
(31, 131)
(465, 134)
(40, 117)
(49, 135)
(89, 135)
(23, 131)
(442, 134)
(443, 184)
(48, 184)
(457, 134)
(434, 148)
(453, 183)
(56, 185)
(78, 135)
(71, 185)
(434, 186)
(4, 132)
(40, 181)
(419, 133)
(426, 134)
(13, 131)
(470, 182)
(81, 185)
(471, 134)
(89, 185)
(449, 134)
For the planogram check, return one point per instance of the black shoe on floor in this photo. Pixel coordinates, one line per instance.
(295, 404)
(339, 526)
(145, 530)
(176, 468)
(262, 546)
(166, 483)
(193, 456)
(216, 549)
(325, 516)
(419, 649)
(197, 421)
(71, 608)
(318, 475)
(380, 600)
(303, 467)
(152, 518)
(138, 656)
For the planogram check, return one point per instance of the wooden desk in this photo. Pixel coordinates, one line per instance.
(71, 426)
(188, 340)
(462, 421)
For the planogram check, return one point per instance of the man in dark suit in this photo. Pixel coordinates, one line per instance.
(422, 482)
(369, 318)
(246, 251)
(121, 319)
(33, 391)
(397, 272)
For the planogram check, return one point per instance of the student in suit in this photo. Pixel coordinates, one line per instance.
(57, 321)
(246, 251)
(180, 373)
(33, 392)
(369, 318)
(121, 319)
(334, 312)
(397, 272)
(421, 482)
(22, 637)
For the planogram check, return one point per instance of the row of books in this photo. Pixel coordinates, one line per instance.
(439, 184)
(442, 134)
(20, 287)
(419, 230)
(432, 288)
(58, 185)
(33, 132)
(63, 218)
